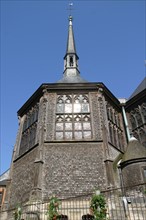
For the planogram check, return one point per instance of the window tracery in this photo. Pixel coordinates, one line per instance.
(73, 121)
(138, 117)
(29, 130)
(138, 121)
(115, 131)
(143, 110)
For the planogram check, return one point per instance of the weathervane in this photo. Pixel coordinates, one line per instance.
(70, 8)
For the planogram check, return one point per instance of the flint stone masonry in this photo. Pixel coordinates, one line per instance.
(73, 168)
(22, 179)
(132, 178)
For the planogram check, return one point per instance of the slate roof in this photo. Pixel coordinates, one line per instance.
(135, 150)
(139, 89)
(72, 79)
(4, 177)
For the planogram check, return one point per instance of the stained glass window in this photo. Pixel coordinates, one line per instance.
(73, 121)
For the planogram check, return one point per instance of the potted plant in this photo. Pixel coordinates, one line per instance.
(98, 206)
(53, 207)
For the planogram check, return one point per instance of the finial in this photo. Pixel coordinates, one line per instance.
(70, 20)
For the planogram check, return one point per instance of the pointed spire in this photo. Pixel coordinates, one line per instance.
(71, 58)
(71, 72)
(71, 41)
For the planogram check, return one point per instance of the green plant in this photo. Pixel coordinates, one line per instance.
(52, 212)
(98, 207)
(17, 213)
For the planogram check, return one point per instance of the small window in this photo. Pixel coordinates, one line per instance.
(71, 63)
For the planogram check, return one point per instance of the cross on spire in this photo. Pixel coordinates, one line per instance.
(70, 8)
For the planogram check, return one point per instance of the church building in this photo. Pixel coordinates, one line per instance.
(72, 134)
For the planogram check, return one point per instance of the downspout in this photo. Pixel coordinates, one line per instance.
(124, 199)
(123, 101)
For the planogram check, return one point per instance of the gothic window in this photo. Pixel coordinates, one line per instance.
(133, 121)
(114, 136)
(120, 138)
(143, 111)
(73, 120)
(142, 134)
(111, 133)
(111, 115)
(108, 113)
(138, 117)
(29, 130)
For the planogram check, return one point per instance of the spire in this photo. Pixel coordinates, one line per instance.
(71, 49)
(71, 58)
(71, 72)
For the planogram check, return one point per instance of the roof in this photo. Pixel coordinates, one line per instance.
(72, 79)
(71, 48)
(135, 150)
(4, 177)
(139, 89)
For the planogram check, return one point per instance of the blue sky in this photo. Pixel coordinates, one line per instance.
(110, 42)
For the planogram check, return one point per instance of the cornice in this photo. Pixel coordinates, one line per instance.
(66, 87)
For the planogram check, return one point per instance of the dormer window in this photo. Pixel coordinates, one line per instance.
(71, 63)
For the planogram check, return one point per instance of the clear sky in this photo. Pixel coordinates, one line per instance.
(110, 42)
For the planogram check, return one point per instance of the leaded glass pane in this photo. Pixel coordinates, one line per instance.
(86, 118)
(59, 118)
(60, 108)
(68, 135)
(36, 115)
(73, 117)
(60, 101)
(86, 126)
(59, 126)
(87, 134)
(85, 107)
(78, 126)
(77, 107)
(68, 118)
(78, 135)
(68, 126)
(85, 100)
(77, 117)
(59, 135)
(25, 125)
(68, 108)
(68, 99)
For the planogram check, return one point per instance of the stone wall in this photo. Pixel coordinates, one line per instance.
(22, 179)
(73, 168)
(133, 174)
